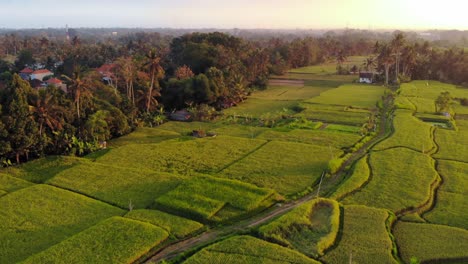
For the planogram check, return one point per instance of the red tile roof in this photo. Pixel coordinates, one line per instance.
(27, 70)
(54, 81)
(42, 71)
(106, 68)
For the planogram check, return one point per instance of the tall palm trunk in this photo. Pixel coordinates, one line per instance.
(387, 69)
(150, 93)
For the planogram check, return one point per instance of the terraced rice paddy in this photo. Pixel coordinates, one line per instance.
(385, 190)
(310, 228)
(35, 218)
(434, 243)
(451, 207)
(410, 132)
(286, 167)
(115, 240)
(364, 237)
(247, 249)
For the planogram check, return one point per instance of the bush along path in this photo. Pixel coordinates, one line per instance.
(188, 245)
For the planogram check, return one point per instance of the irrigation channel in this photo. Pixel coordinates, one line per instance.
(208, 237)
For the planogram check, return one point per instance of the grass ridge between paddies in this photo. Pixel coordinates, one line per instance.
(431, 243)
(364, 238)
(115, 240)
(35, 218)
(247, 249)
(397, 184)
(310, 228)
(205, 198)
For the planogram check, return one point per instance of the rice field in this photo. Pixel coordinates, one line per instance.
(359, 176)
(364, 238)
(10, 184)
(310, 228)
(43, 169)
(409, 132)
(35, 218)
(334, 114)
(115, 240)
(452, 144)
(431, 243)
(451, 207)
(286, 167)
(117, 184)
(323, 138)
(202, 198)
(183, 157)
(364, 96)
(330, 67)
(247, 249)
(396, 184)
(177, 227)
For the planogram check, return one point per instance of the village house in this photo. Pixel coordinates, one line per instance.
(25, 73)
(107, 72)
(57, 83)
(40, 74)
(366, 77)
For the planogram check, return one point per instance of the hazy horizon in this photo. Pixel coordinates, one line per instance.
(260, 14)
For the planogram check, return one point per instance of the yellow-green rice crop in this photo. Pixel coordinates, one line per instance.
(117, 184)
(35, 218)
(206, 155)
(409, 132)
(365, 96)
(145, 135)
(396, 183)
(115, 240)
(247, 249)
(429, 242)
(202, 197)
(451, 207)
(11, 184)
(286, 167)
(310, 228)
(40, 170)
(364, 238)
(452, 144)
(358, 178)
(324, 138)
(177, 226)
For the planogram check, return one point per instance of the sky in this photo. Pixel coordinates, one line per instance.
(275, 14)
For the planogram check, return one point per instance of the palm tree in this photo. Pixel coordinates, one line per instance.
(46, 112)
(78, 86)
(156, 73)
(408, 59)
(396, 45)
(340, 57)
(370, 63)
(386, 59)
(127, 69)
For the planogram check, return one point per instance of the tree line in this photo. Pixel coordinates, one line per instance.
(150, 74)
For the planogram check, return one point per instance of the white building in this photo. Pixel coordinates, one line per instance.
(366, 77)
(41, 74)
